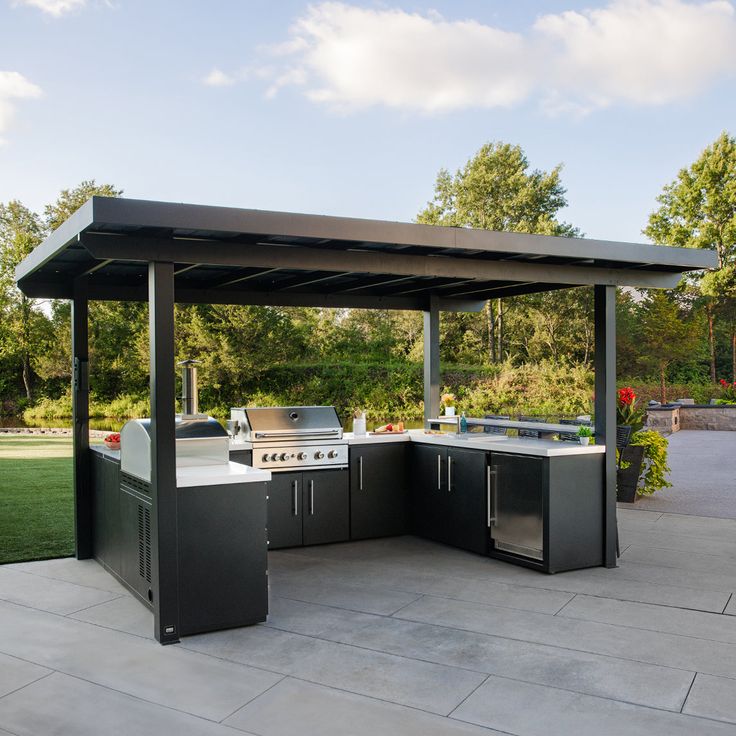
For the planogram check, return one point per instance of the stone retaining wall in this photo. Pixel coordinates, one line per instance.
(668, 419)
(53, 431)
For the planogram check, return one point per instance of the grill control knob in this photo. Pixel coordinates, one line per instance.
(301, 456)
(284, 456)
(319, 455)
(274, 457)
(265, 458)
(332, 454)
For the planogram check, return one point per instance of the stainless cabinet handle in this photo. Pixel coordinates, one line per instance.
(439, 472)
(295, 485)
(492, 495)
(311, 497)
(449, 473)
(360, 473)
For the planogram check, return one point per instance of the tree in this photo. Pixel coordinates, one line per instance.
(20, 232)
(70, 200)
(667, 334)
(698, 210)
(496, 190)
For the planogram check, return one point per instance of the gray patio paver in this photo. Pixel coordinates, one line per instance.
(47, 594)
(418, 684)
(731, 606)
(122, 614)
(15, 673)
(712, 697)
(713, 626)
(681, 560)
(169, 676)
(534, 710)
(678, 542)
(668, 650)
(60, 705)
(296, 708)
(82, 572)
(611, 677)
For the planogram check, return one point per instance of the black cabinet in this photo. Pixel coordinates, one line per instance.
(378, 494)
(285, 510)
(467, 500)
(308, 508)
(449, 495)
(106, 510)
(326, 504)
(428, 490)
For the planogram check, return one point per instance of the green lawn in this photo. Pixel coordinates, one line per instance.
(36, 498)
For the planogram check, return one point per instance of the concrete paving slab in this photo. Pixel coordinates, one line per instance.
(16, 673)
(533, 710)
(668, 650)
(122, 614)
(296, 708)
(712, 697)
(611, 677)
(424, 685)
(712, 626)
(46, 594)
(703, 475)
(681, 560)
(731, 606)
(169, 676)
(71, 570)
(679, 542)
(60, 705)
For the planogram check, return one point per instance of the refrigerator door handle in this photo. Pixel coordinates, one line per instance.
(492, 492)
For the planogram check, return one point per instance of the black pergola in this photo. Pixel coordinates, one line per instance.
(136, 250)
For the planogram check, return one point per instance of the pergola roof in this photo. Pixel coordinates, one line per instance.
(239, 256)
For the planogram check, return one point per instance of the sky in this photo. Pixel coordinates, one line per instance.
(351, 108)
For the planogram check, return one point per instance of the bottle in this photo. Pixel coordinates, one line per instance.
(463, 424)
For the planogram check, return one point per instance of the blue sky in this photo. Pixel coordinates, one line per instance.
(351, 108)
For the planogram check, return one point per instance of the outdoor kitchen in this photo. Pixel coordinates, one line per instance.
(185, 512)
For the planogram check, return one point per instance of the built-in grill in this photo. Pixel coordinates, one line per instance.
(289, 437)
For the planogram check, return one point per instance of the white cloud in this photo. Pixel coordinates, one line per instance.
(13, 86)
(645, 52)
(53, 7)
(218, 78)
(640, 51)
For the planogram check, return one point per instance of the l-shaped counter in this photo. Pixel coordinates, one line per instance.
(531, 502)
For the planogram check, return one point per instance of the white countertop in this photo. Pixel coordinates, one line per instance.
(478, 441)
(205, 475)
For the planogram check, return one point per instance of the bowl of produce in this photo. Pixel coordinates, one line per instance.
(112, 441)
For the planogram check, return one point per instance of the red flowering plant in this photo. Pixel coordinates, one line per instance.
(628, 410)
(728, 392)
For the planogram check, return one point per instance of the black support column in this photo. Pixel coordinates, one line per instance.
(605, 410)
(432, 360)
(164, 541)
(80, 413)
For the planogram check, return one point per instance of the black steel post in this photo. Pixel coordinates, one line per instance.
(431, 360)
(605, 410)
(164, 534)
(80, 412)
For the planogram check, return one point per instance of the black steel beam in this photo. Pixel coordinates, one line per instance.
(363, 261)
(431, 361)
(605, 410)
(83, 518)
(164, 514)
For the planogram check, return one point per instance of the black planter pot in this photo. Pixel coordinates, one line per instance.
(627, 479)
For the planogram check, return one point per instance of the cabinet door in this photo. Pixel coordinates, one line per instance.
(285, 510)
(378, 496)
(99, 518)
(430, 501)
(518, 505)
(467, 522)
(326, 504)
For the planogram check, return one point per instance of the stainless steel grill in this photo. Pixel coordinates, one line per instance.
(289, 437)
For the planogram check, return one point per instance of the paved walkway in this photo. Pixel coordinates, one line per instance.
(397, 637)
(703, 476)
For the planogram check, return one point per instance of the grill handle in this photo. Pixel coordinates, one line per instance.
(286, 433)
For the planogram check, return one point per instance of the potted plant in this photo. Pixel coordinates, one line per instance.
(584, 435)
(630, 457)
(654, 447)
(448, 402)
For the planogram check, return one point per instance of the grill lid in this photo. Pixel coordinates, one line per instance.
(289, 422)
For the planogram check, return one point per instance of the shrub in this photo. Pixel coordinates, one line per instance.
(655, 470)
